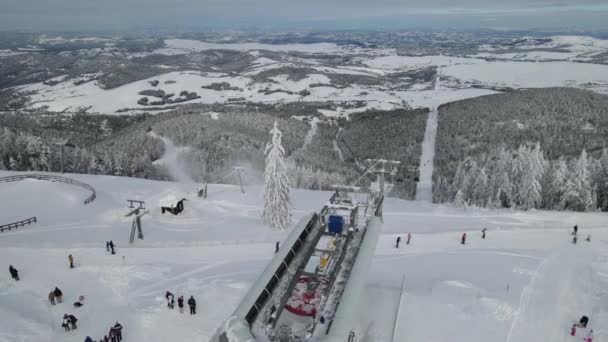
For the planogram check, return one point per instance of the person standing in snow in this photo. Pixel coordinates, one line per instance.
(276, 247)
(574, 239)
(483, 233)
(463, 239)
(169, 296)
(117, 331)
(52, 297)
(192, 305)
(588, 239)
(58, 295)
(409, 238)
(575, 230)
(14, 273)
(180, 304)
(107, 246)
(172, 303)
(88, 339)
(112, 246)
(71, 260)
(398, 241)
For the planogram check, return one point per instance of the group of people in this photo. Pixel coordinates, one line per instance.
(463, 238)
(582, 324)
(180, 303)
(407, 240)
(55, 296)
(14, 273)
(110, 246)
(115, 334)
(69, 322)
(575, 235)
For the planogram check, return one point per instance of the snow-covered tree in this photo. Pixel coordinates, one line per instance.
(579, 194)
(459, 201)
(276, 186)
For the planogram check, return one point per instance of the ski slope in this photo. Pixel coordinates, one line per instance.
(524, 282)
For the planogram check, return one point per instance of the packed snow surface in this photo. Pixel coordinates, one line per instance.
(524, 282)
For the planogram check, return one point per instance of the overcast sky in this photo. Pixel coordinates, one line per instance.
(186, 14)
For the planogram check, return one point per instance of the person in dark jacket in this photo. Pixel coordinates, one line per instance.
(463, 239)
(58, 295)
(118, 331)
(180, 304)
(14, 273)
(107, 246)
(192, 305)
(52, 297)
(575, 230)
(483, 233)
(276, 247)
(88, 339)
(112, 246)
(169, 296)
(398, 241)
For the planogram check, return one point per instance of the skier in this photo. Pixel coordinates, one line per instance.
(192, 305)
(112, 246)
(398, 241)
(52, 297)
(575, 230)
(574, 239)
(409, 238)
(71, 260)
(118, 331)
(483, 233)
(463, 239)
(172, 303)
(14, 273)
(180, 304)
(276, 247)
(107, 246)
(58, 295)
(113, 336)
(169, 297)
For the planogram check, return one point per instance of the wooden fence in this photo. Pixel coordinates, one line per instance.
(18, 224)
(53, 178)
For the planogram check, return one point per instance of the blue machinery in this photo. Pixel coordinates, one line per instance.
(349, 227)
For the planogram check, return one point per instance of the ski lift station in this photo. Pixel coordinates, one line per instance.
(311, 289)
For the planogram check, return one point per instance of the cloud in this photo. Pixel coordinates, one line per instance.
(49, 14)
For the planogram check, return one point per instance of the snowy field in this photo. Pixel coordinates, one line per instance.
(526, 64)
(525, 282)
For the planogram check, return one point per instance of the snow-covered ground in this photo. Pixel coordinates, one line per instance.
(526, 281)
(526, 64)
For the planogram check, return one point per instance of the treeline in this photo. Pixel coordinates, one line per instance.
(542, 148)
(525, 179)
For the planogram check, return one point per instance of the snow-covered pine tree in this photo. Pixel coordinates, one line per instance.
(559, 180)
(600, 181)
(459, 201)
(276, 184)
(533, 170)
(579, 193)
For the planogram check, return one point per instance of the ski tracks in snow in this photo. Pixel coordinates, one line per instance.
(559, 292)
(424, 188)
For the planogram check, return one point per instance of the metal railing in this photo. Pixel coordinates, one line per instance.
(17, 224)
(53, 178)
